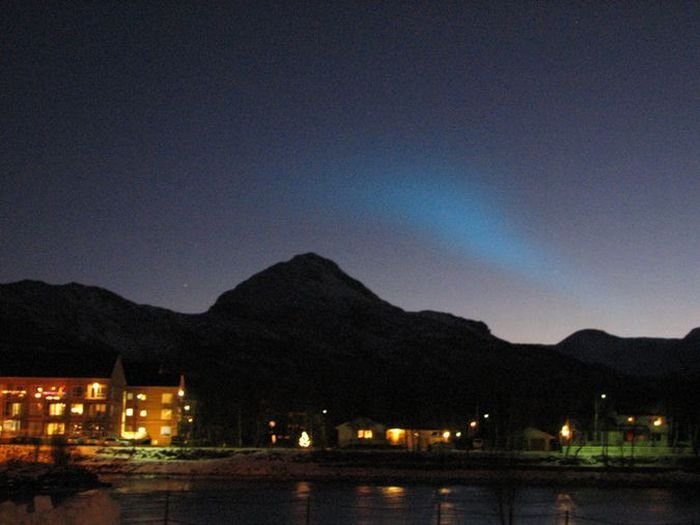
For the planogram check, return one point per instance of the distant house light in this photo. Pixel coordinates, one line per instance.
(395, 435)
(365, 433)
(565, 431)
(304, 440)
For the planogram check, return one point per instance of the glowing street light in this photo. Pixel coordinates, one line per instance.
(565, 432)
(596, 408)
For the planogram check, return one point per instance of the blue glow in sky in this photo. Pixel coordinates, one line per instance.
(459, 216)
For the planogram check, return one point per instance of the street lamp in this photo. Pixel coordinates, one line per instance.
(596, 408)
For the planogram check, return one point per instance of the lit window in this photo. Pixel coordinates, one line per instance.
(10, 425)
(55, 428)
(143, 413)
(77, 409)
(129, 411)
(165, 431)
(167, 398)
(13, 409)
(130, 395)
(166, 413)
(141, 397)
(97, 391)
(395, 435)
(97, 409)
(364, 434)
(658, 422)
(57, 409)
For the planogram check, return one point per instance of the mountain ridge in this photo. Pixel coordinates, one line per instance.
(300, 289)
(303, 333)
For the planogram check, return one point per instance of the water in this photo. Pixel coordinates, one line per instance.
(210, 502)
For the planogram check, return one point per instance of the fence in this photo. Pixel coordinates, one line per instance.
(185, 508)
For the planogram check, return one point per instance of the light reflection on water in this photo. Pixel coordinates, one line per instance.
(210, 502)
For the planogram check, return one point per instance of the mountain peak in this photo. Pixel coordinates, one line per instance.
(307, 281)
(588, 336)
(693, 335)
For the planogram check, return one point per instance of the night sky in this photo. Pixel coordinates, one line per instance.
(532, 165)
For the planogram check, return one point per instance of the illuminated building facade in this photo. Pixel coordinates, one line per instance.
(85, 398)
(155, 406)
(61, 394)
(419, 439)
(651, 429)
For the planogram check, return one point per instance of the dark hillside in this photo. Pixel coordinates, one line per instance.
(302, 335)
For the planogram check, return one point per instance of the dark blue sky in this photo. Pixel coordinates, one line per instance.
(532, 165)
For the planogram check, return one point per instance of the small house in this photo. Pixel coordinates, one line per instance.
(538, 440)
(361, 432)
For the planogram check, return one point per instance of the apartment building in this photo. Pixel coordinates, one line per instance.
(60, 394)
(87, 397)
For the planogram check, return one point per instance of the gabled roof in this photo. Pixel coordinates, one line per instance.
(150, 374)
(59, 363)
(361, 422)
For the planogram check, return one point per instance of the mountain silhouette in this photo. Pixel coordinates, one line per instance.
(303, 335)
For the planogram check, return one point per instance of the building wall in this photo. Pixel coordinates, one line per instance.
(152, 412)
(418, 439)
(59, 406)
(361, 434)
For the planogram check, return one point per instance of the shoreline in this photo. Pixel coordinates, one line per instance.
(262, 465)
